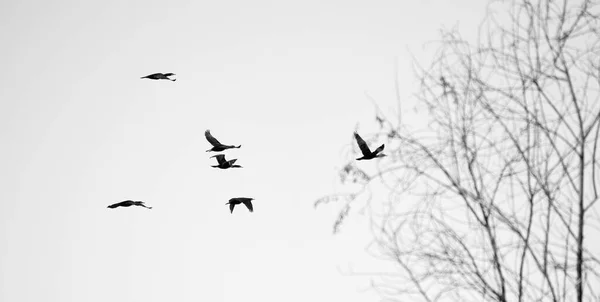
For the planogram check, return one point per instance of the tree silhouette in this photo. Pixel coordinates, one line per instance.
(495, 197)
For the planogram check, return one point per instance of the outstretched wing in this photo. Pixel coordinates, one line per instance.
(248, 203)
(168, 74)
(362, 144)
(119, 204)
(232, 161)
(231, 206)
(220, 158)
(211, 139)
(379, 149)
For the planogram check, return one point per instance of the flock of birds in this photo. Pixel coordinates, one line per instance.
(222, 163)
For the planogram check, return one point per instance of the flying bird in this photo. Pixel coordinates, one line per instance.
(225, 164)
(128, 203)
(237, 200)
(217, 146)
(160, 76)
(367, 154)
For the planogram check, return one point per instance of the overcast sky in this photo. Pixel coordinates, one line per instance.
(80, 130)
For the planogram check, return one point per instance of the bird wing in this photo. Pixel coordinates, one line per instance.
(118, 204)
(168, 74)
(232, 161)
(231, 206)
(211, 139)
(248, 203)
(153, 75)
(220, 158)
(141, 204)
(379, 149)
(362, 144)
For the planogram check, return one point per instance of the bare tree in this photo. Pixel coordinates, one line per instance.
(495, 199)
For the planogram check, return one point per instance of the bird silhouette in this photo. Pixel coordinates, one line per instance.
(367, 154)
(217, 146)
(128, 203)
(160, 76)
(237, 200)
(225, 164)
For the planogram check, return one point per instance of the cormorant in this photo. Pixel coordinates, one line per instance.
(160, 76)
(367, 154)
(237, 200)
(128, 203)
(225, 164)
(217, 146)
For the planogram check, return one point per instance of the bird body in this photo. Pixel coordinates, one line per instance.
(364, 148)
(237, 200)
(225, 164)
(160, 76)
(128, 203)
(217, 146)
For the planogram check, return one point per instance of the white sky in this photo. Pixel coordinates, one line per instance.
(80, 130)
